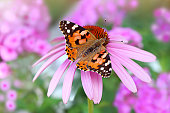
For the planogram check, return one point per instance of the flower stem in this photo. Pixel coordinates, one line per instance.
(90, 106)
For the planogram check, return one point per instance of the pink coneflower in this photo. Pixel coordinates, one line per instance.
(120, 55)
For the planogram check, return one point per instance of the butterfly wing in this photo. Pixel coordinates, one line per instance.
(99, 62)
(76, 38)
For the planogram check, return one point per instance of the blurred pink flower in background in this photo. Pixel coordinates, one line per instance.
(114, 11)
(11, 95)
(120, 56)
(5, 85)
(23, 27)
(2, 98)
(132, 36)
(161, 26)
(150, 98)
(10, 105)
(4, 70)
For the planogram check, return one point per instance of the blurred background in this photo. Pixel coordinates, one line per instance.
(28, 26)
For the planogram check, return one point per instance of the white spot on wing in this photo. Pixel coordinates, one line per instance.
(68, 22)
(75, 26)
(102, 68)
(68, 30)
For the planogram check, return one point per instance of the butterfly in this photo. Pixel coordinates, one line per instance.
(86, 45)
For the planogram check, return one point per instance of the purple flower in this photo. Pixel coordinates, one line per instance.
(10, 105)
(120, 55)
(114, 11)
(161, 26)
(2, 98)
(11, 95)
(8, 54)
(4, 85)
(132, 36)
(4, 70)
(19, 25)
(151, 98)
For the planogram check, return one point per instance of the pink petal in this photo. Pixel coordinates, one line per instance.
(57, 75)
(97, 87)
(133, 67)
(68, 80)
(58, 39)
(47, 63)
(87, 84)
(123, 75)
(117, 38)
(58, 45)
(48, 55)
(131, 52)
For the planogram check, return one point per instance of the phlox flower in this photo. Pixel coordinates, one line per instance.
(20, 24)
(120, 55)
(11, 95)
(114, 11)
(151, 98)
(2, 98)
(132, 36)
(161, 26)
(10, 105)
(4, 85)
(4, 70)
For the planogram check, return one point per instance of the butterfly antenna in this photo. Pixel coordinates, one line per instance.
(104, 26)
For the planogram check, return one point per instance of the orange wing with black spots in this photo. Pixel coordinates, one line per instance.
(87, 45)
(76, 39)
(75, 35)
(71, 53)
(100, 63)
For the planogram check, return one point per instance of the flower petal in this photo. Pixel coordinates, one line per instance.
(133, 67)
(58, 45)
(48, 55)
(118, 38)
(47, 63)
(67, 84)
(131, 52)
(97, 87)
(123, 75)
(58, 39)
(57, 75)
(87, 84)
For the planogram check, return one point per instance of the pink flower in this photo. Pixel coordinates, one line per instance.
(12, 41)
(120, 55)
(8, 54)
(42, 47)
(2, 98)
(4, 85)
(10, 105)
(18, 24)
(4, 70)
(161, 26)
(114, 11)
(11, 95)
(132, 36)
(18, 84)
(151, 98)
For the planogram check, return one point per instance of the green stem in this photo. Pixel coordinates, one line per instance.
(90, 106)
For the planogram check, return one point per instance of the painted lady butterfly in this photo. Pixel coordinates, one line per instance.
(87, 46)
